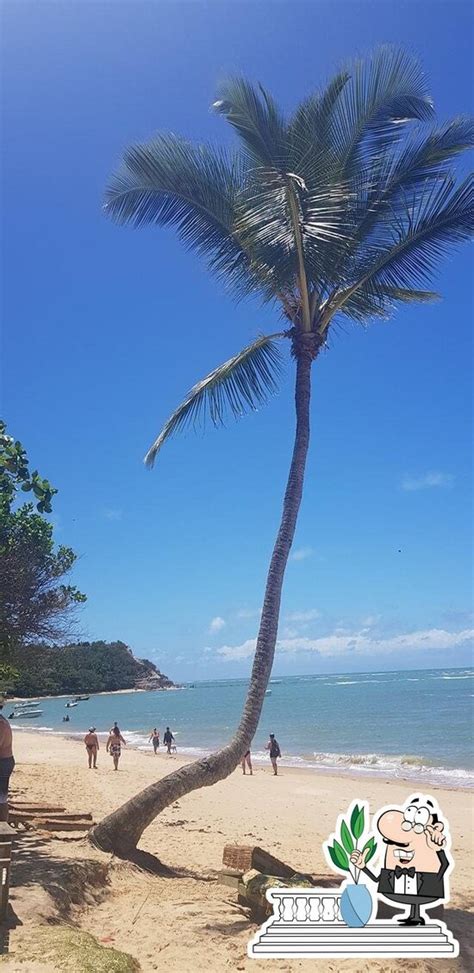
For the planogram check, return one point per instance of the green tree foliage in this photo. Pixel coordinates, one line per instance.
(34, 602)
(85, 667)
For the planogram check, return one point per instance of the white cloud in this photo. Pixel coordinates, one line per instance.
(357, 643)
(232, 652)
(370, 621)
(111, 514)
(427, 481)
(216, 624)
(307, 616)
(301, 553)
(247, 613)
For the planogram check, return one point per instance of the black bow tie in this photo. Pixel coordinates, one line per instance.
(411, 872)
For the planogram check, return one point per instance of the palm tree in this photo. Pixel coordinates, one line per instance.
(342, 209)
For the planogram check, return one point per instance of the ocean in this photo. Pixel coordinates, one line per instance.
(411, 724)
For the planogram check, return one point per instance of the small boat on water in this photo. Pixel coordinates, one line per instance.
(268, 692)
(27, 715)
(81, 699)
(70, 705)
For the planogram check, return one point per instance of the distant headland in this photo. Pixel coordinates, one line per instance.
(83, 667)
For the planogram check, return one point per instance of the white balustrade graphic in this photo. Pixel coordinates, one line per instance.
(308, 922)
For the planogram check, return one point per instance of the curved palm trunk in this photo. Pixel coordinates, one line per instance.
(121, 830)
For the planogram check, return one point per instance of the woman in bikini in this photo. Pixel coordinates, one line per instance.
(91, 741)
(114, 745)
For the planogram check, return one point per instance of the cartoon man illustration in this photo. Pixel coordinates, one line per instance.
(415, 860)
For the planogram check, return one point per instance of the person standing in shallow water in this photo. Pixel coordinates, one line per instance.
(114, 745)
(275, 752)
(91, 741)
(168, 739)
(7, 763)
(155, 739)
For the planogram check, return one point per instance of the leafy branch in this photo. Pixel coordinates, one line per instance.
(340, 851)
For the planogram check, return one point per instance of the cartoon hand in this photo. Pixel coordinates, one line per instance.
(358, 858)
(434, 835)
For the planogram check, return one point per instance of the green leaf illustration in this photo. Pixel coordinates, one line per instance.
(372, 849)
(354, 816)
(358, 825)
(346, 838)
(341, 856)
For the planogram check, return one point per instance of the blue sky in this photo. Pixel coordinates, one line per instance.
(105, 328)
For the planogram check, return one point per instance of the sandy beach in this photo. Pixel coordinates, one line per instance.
(182, 919)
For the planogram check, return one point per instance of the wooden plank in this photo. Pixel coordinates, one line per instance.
(31, 806)
(34, 815)
(51, 825)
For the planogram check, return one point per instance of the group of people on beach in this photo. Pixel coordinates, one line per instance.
(115, 741)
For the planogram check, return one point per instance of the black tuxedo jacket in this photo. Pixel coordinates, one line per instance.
(429, 884)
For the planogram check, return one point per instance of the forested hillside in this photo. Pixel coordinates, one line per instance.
(87, 667)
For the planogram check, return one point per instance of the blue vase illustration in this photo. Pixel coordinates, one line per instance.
(356, 905)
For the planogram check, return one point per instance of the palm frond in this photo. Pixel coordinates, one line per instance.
(240, 385)
(444, 217)
(309, 129)
(422, 158)
(365, 304)
(385, 92)
(170, 182)
(256, 118)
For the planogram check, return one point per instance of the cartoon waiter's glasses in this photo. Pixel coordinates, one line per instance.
(416, 818)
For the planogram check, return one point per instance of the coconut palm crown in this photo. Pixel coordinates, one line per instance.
(342, 209)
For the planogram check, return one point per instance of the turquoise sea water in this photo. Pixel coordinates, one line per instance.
(410, 724)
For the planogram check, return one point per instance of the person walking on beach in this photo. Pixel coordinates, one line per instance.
(114, 745)
(168, 739)
(91, 741)
(274, 747)
(7, 763)
(155, 739)
(246, 761)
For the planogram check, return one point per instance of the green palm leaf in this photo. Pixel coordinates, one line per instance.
(386, 91)
(445, 216)
(394, 174)
(257, 120)
(364, 304)
(310, 151)
(239, 385)
(170, 182)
